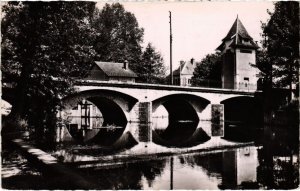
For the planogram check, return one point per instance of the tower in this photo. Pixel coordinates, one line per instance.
(238, 54)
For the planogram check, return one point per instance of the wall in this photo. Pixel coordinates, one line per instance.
(185, 79)
(244, 59)
(228, 70)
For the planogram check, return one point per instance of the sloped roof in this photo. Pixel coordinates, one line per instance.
(186, 68)
(237, 28)
(115, 69)
(241, 44)
(236, 33)
(176, 72)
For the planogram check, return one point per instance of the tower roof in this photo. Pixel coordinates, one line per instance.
(237, 28)
(239, 36)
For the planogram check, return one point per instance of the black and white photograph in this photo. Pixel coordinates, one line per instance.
(150, 95)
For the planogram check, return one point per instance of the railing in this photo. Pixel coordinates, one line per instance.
(163, 87)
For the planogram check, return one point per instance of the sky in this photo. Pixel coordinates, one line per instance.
(198, 27)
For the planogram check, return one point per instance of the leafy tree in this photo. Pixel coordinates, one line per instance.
(208, 71)
(279, 60)
(151, 68)
(119, 36)
(44, 45)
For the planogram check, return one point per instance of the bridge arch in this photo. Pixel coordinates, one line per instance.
(197, 102)
(108, 114)
(183, 118)
(243, 116)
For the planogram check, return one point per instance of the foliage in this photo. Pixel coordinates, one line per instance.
(151, 68)
(44, 45)
(119, 36)
(281, 45)
(208, 71)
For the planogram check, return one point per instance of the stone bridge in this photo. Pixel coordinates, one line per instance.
(127, 104)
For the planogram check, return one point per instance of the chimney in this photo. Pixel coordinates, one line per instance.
(181, 64)
(192, 61)
(125, 66)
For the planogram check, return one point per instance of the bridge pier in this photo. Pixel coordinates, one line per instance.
(214, 113)
(217, 120)
(140, 122)
(145, 118)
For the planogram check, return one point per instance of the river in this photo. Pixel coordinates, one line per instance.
(240, 168)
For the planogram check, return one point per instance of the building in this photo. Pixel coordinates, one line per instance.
(110, 71)
(183, 74)
(238, 53)
(85, 115)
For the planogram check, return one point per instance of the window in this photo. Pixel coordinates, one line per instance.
(246, 79)
(189, 81)
(246, 51)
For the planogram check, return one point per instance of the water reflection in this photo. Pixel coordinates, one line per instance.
(229, 169)
(279, 157)
(179, 133)
(87, 123)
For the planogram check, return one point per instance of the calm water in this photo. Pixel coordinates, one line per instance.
(274, 165)
(232, 169)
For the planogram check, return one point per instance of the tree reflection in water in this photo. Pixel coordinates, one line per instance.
(126, 176)
(241, 168)
(279, 158)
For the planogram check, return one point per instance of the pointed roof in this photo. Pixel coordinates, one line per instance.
(237, 28)
(185, 68)
(239, 36)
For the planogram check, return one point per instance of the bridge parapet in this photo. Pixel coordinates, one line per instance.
(151, 92)
(163, 87)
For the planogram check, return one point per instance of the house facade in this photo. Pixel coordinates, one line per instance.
(183, 74)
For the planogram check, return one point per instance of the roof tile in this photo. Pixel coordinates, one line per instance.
(115, 69)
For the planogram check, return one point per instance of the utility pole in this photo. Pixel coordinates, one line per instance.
(171, 39)
(171, 173)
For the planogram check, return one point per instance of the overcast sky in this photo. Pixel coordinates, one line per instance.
(198, 27)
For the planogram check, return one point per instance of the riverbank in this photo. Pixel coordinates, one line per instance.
(46, 168)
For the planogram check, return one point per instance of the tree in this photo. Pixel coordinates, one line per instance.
(280, 58)
(208, 71)
(44, 45)
(119, 36)
(151, 68)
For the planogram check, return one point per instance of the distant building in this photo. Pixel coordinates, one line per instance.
(238, 53)
(85, 115)
(183, 74)
(110, 71)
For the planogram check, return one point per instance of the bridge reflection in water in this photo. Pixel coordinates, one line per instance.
(232, 169)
